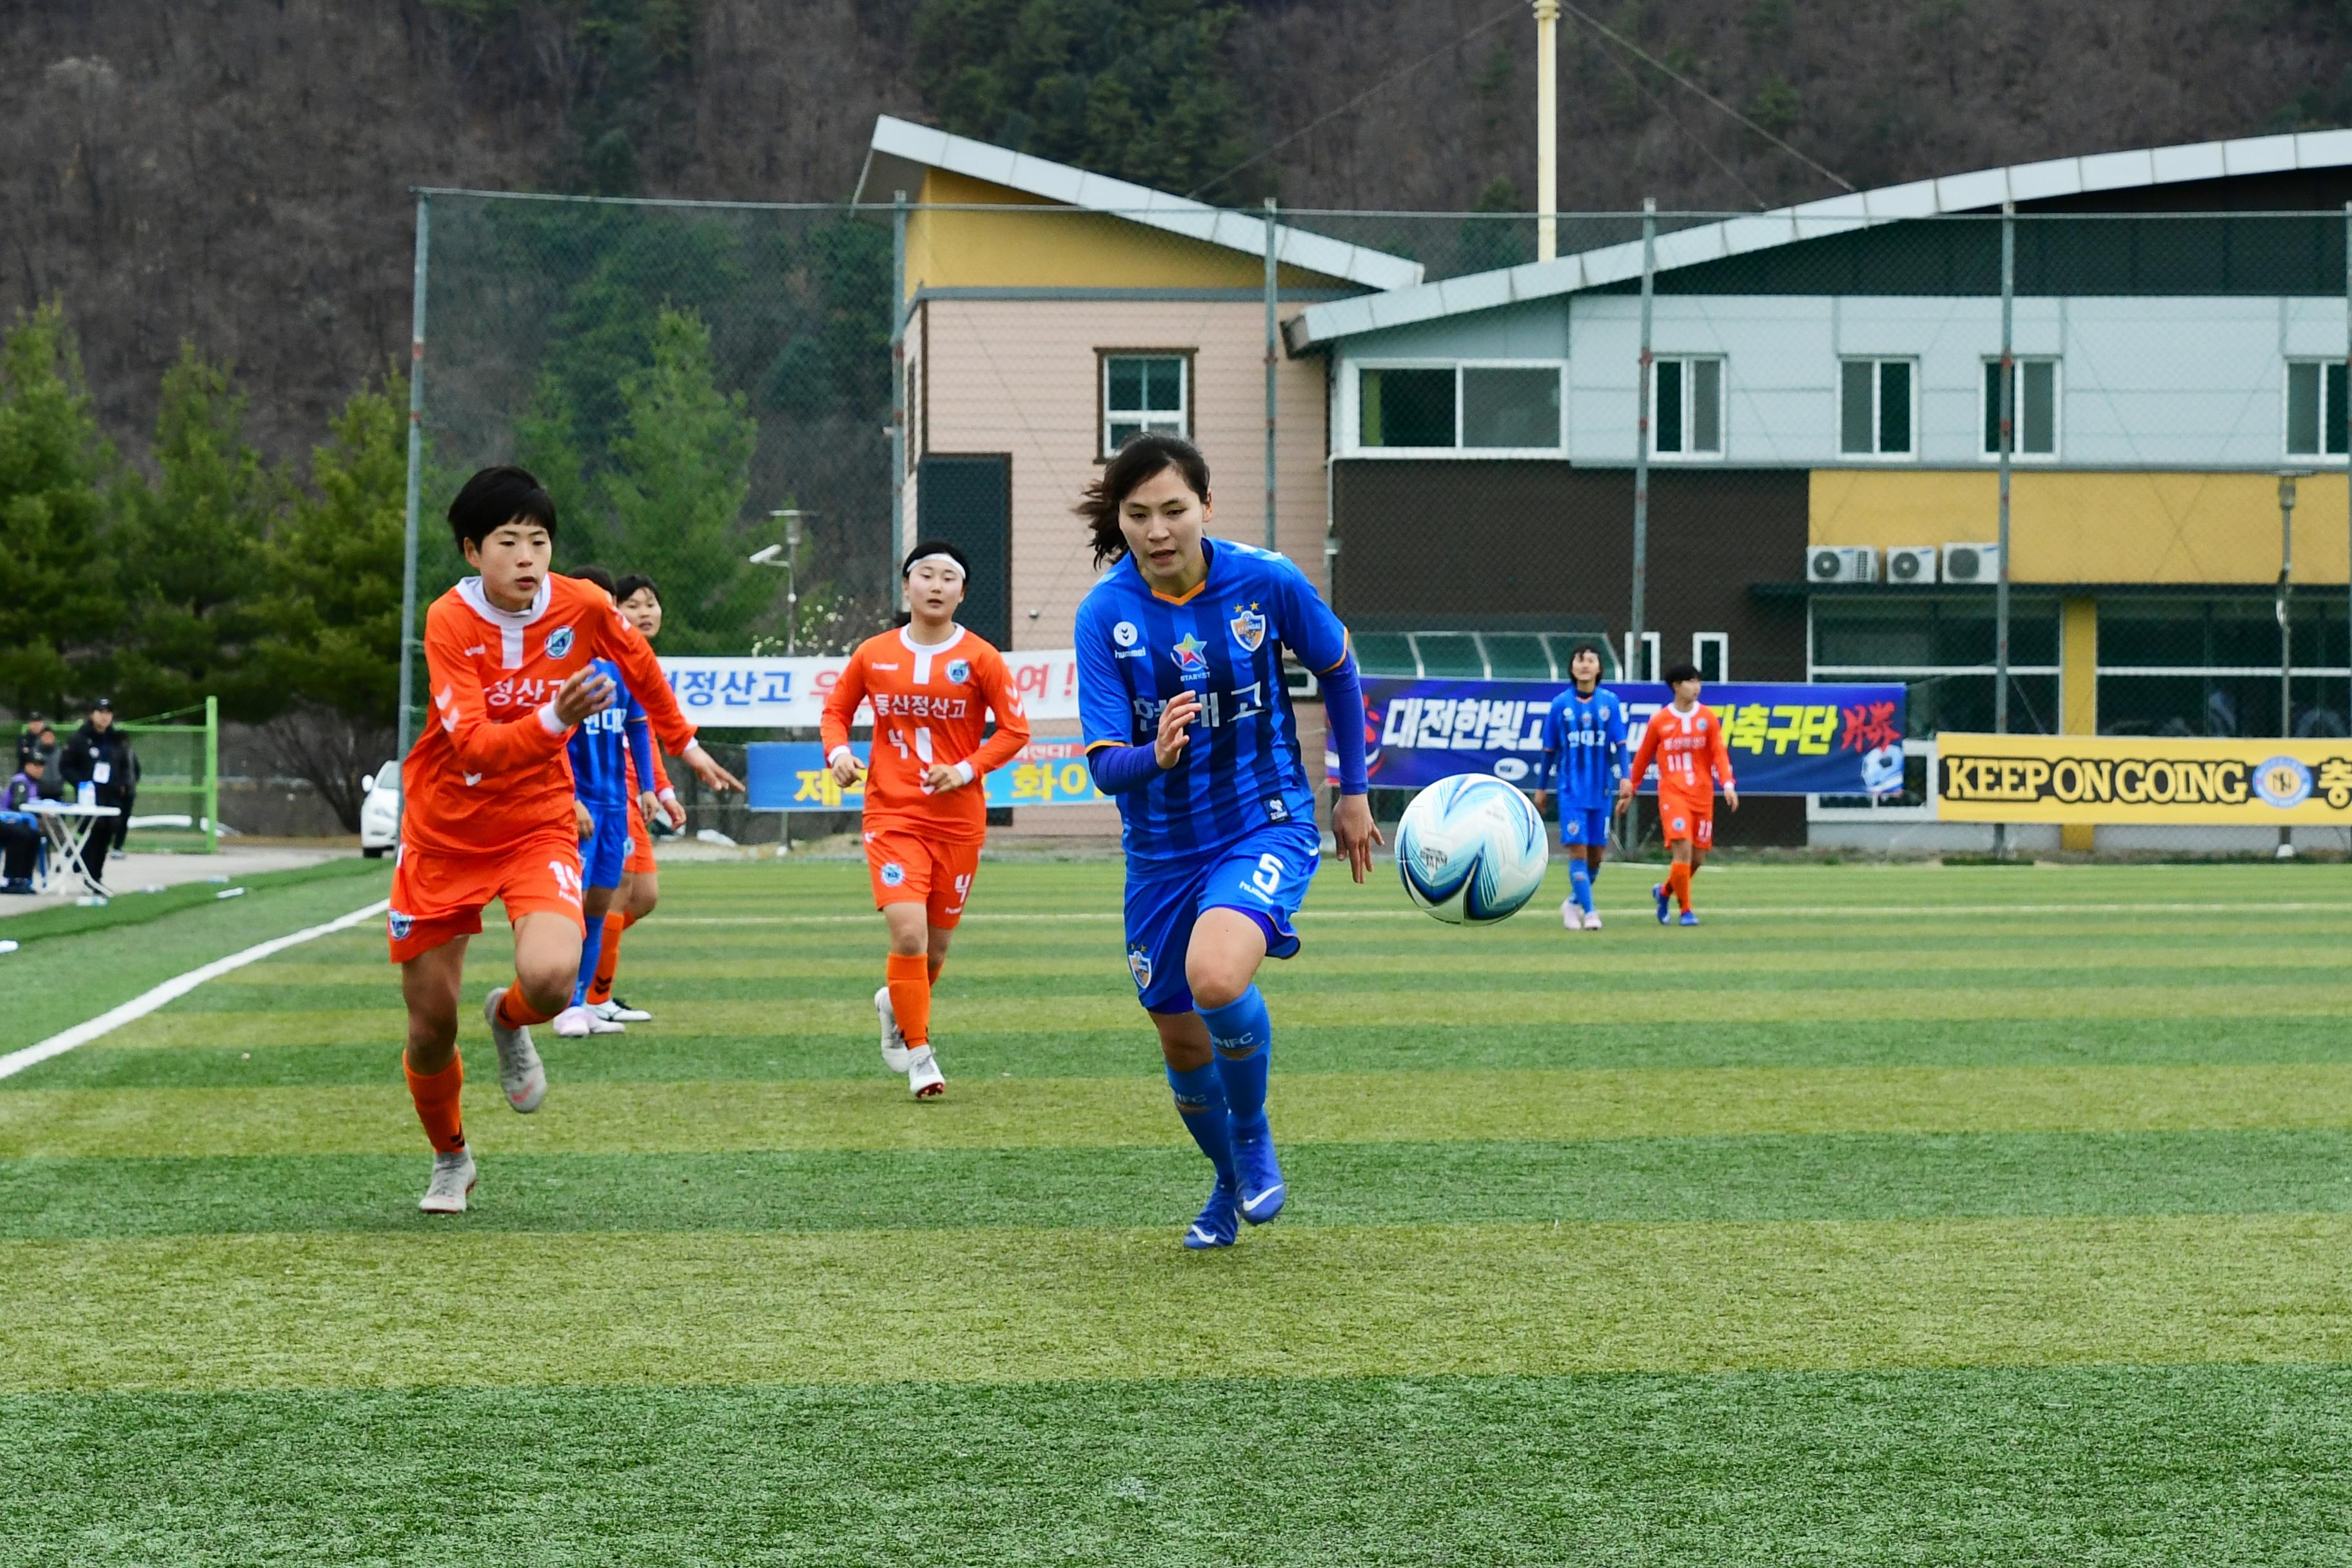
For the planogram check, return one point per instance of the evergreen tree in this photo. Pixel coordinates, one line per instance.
(57, 598)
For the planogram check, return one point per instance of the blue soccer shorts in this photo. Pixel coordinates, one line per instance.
(1578, 825)
(605, 854)
(1263, 875)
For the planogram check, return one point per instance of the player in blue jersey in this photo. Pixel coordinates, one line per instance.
(1584, 752)
(1188, 723)
(600, 751)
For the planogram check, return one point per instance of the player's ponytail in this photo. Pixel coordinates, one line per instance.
(1139, 457)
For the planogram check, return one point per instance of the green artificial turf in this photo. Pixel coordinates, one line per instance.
(1895, 1216)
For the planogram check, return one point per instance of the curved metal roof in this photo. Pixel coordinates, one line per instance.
(901, 149)
(1978, 191)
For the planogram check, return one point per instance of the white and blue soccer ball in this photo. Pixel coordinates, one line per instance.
(1471, 849)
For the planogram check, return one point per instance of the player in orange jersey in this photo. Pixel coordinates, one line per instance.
(933, 685)
(640, 605)
(1685, 740)
(486, 798)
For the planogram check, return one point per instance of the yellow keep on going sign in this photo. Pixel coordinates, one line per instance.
(2132, 778)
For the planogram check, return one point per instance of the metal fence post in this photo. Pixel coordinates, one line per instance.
(899, 539)
(1641, 449)
(2008, 441)
(212, 776)
(1273, 350)
(400, 729)
(2347, 459)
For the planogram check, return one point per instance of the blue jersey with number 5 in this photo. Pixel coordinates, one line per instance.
(1224, 641)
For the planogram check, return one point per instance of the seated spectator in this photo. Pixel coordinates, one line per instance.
(20, 841)
(40, 739)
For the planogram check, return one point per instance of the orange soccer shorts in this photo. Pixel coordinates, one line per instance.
(436, 898)
(911, 868)
(1691, 819)
(641, 844)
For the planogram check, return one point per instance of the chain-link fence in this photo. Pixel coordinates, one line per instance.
(1780, 446)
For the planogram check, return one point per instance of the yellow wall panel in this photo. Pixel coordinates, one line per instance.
(2158, 527)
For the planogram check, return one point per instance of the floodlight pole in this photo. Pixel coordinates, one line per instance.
(2007, 441)
(1546, 128)
(416, 476)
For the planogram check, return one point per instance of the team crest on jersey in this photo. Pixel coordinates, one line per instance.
(1191, 655)
(1139, 963)
(893, 874)
(402, 925)
(958, 671)
(559, 642)
(1248, 628)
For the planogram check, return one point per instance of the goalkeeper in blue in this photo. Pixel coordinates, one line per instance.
(1584, 751)
(1187, 722)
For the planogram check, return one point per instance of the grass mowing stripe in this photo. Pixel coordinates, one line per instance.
(875, 1113)
(2100, 1465)
(1851, 1176)
(138, 909)
(462, 1309)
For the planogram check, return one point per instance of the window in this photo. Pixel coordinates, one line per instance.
(2211, 666)
(1647, 667)
(1711, 651)
(1874, 408)
(1470, 407)
(2314, 402)
(1686, 408)
(1145, 392)
(2036, 432)
(1942, 649)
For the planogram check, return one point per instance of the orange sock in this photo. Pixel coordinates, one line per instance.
(936, 964)
(1678, 883)
(608, 959)
(514, 1013)
(436, 1103)
(910, 996)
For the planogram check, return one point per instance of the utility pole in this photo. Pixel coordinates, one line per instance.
(1546, 128)
(2007, 444)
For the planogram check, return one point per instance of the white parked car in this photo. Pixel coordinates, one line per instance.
(380, 812)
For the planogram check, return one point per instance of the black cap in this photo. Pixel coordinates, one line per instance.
(105, 702)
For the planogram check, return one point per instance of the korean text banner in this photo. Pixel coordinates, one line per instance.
(789, 693)
(791, 776)
(2141, 778)
(1783, 739)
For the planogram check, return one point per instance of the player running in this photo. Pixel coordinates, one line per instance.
(640, 605)
(1685, 740)
(487, 799)
(1584, 747)
(607, 752)
(1188, 723)
(933, 685)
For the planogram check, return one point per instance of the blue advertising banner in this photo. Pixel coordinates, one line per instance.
(1783, 739)
(791, 776)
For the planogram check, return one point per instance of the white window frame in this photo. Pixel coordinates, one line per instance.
(1722, 407)
(2286, 400)
(1653, 665)
(2057, 408)
(1149, 419)
(1721, 643)
(1877, 393)
(1353, 426)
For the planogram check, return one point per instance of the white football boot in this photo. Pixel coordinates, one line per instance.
(453, 1178)
(519, 1072)
(1570, 916)
(923, 1075)
(579, 1023)
(615, 1011)
(1592, 920)
(895, 1055)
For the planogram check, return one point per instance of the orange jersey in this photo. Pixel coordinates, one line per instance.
(490, 769)
(930, 705)
(1689, 751)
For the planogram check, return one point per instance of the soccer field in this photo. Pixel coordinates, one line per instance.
(1901, 1215)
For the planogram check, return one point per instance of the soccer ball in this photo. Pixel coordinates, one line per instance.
(1471, 849)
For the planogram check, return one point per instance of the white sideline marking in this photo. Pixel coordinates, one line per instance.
(179, 985)
(1810, 911)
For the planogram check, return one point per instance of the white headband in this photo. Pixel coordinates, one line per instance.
(935, 555)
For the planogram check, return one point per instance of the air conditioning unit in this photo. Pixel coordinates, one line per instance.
(1842, 564)
(1971, 562)
(1911, 563)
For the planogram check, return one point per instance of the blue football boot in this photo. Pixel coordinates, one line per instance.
(1690, 918)
(1664, 901)
(1258, 1173)
(1217, 1224)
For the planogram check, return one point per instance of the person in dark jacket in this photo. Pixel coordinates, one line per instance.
(40, 739)
(20, 841)
(100, 756)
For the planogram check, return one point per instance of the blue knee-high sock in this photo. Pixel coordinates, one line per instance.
(1201, 1103)
(1579, 884)
(1243, 1037)
(592, 948)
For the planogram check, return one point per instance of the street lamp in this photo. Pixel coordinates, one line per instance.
(787, 555)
